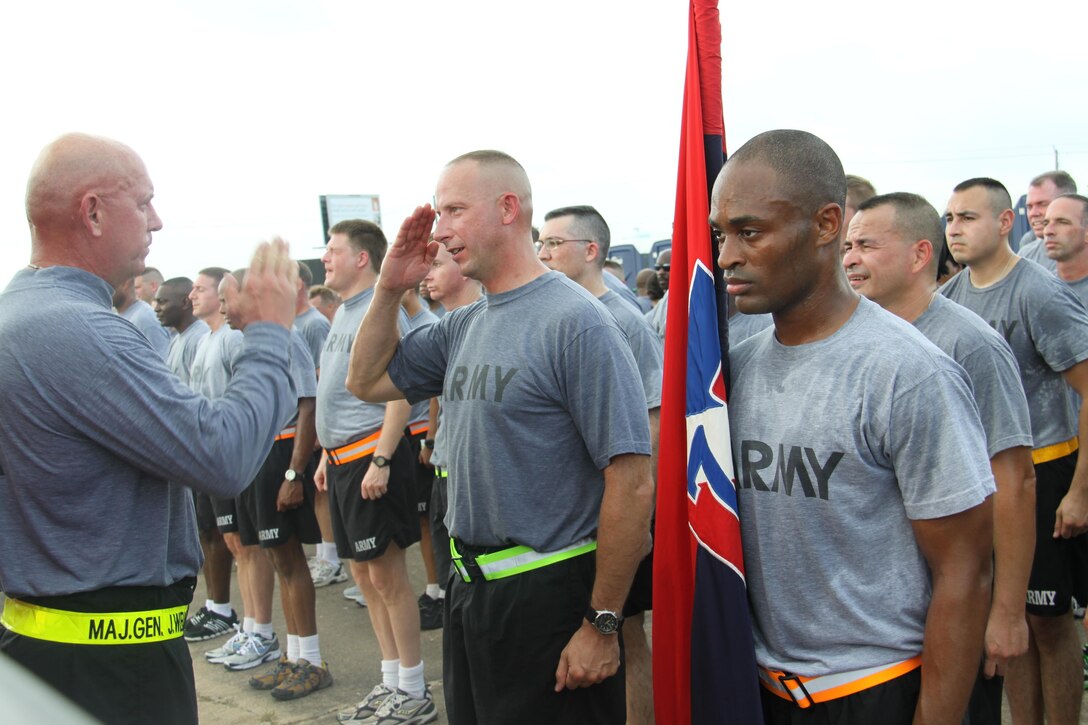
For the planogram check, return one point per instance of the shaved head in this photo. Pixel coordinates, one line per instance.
(500, 173)
(88, 202)
(807, 169)
(72, 166)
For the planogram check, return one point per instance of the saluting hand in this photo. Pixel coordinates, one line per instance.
(410, 256)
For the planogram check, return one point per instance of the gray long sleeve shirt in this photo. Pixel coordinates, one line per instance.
(98, 439)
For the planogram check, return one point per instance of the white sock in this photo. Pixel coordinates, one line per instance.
(390, 674)
(327, 551)
(433, 591)
(411, 680)
(248, 623)
(310, 649)
(263, 630)
(220, 608)
(292, 647)
(441, 593)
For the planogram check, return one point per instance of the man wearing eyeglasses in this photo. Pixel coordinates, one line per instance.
(544, 545)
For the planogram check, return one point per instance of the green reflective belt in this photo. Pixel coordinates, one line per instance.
(441, 472)
(515, 560)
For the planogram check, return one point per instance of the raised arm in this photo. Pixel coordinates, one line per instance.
(404, 267)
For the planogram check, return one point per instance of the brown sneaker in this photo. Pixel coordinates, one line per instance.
(275, 676)
(305, 679)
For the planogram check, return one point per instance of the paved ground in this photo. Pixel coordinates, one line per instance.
(348, 645)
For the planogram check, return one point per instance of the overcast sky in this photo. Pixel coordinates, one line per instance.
(246, 112)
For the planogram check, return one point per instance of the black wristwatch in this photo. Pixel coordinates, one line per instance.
(380, 461)
(293, 476)
(604, 621)
(428, 443)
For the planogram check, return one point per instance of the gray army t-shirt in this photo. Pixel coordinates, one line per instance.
(1046, 326)
(314, 328)
(742, 326)
(837, 445)
(645, 345)
(995, 378)
(182, 351)
(1036, 252)
(421, 411)
(536, 401)
(213, 366)
(1080, 286)
(139, 313)
(341, 417)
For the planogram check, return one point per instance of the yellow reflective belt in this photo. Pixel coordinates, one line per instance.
(441, 472)
(1054, 452)
(518, 559)
(55, 625)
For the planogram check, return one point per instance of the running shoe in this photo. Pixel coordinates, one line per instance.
(274, 677)
(206, 624)
(217, 655)
(400, 708)
(366, 707)
(305, 679)
(354, 594)
(326, 573)
(430, 612)
(254, 652)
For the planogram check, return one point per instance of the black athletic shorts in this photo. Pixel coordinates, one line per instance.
(258, 520)
(129, 684)
(890, 703)
(1058, 570)
(440, 535)
(205, 515)
(226, 514)
(501, 642)
(362, 528)
(424, 474)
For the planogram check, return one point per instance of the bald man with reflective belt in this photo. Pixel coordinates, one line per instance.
(100, 553)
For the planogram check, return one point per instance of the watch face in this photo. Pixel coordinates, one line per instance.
(606, 622)
(381, 461)
(291, 475)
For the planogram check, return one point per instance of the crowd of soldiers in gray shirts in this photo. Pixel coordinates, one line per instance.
(926, 356)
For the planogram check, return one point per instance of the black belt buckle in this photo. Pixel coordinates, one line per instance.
(782, 678)
(468, 562)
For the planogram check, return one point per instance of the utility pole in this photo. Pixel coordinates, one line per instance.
(1056, 167)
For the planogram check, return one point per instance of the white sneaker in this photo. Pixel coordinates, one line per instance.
(232, 645)
(326, 573)
(367, 707)
(355, 595)
(254, 652)
(400, 708)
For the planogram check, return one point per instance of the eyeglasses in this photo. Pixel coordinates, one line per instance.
(662, 267)
(551, 244)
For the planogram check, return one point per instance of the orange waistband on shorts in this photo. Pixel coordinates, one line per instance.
(807, 691)
(1054, 452)
(354, 451)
